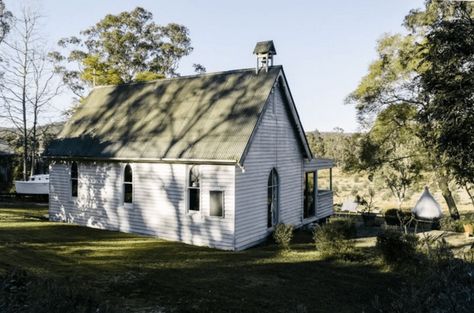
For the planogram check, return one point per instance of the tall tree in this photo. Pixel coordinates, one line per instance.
(449, 83)
(28, 85)
(395, 78)
(392, 151)
(122, 48)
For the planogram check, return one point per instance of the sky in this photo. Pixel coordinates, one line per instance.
(325, 47)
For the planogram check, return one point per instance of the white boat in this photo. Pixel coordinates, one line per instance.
(36, 185)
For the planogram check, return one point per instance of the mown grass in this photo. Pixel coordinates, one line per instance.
(143, 272)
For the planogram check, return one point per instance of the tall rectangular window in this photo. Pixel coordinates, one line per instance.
(216, 203)
(74, 179)
(194, 189)
(127, 185)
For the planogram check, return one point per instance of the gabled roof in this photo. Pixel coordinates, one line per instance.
(265, 47)
(208, 117)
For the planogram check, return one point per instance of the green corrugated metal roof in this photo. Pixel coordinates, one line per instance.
(205, 117)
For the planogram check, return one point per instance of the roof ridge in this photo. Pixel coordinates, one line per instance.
(183, 77)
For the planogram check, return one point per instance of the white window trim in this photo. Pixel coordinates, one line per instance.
(223, 203)
(127, 205)
(186, 191)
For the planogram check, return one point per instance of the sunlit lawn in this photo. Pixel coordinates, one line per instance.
(144, 272)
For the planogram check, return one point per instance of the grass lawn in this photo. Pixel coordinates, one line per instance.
(144, 272)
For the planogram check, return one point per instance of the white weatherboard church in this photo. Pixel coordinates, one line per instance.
(214, 159)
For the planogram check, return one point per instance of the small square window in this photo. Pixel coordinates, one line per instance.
(217, 203)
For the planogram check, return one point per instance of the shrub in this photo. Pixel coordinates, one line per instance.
(345, 226)
(332, 240)
(283, 234)
(447, 223)
(396, 217)
(397, 247)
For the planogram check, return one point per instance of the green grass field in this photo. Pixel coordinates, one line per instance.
(142, 273)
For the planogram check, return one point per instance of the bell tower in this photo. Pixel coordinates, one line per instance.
(264, 50)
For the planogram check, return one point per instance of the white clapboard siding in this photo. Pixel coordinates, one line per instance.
(275, 145)
(159, 201)
(325, 205)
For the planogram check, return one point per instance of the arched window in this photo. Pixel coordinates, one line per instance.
(127, 185)
(194, 189)
(74, 179)
(272, 202)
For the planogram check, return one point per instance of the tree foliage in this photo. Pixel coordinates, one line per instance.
(397, 77)
(122, 48)
(449, 82)
(5, 20)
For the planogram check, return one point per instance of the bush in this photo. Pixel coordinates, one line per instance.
(24, 293)
(396, 217)
(397, 247)
(345, 226)
(332, 239)
(447, 223)
(283, 234)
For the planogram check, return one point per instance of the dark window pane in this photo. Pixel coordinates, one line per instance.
(309, 208)
(73, 170)
(269, 206)
(217, 203)
(128, 174)
(193, 199)
(74, 187)
(272, 198)
(74, 174)
(127, 193)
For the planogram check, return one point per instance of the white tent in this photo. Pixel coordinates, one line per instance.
(427, 207)
(349, 206)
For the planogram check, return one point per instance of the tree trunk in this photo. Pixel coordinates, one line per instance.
(448, 196)
(33, 150)
(23, 103)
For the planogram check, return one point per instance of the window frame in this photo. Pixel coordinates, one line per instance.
(127, 204)
(273, 215)
(222, 191)
(74, 190)
(188, 188)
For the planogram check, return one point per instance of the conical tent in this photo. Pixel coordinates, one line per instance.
(427, 207)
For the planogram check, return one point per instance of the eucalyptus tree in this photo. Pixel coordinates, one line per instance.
(449, 84)
(396, 77)
(122, 48)
(391, 150)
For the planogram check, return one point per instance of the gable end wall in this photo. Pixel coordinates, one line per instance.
(274, 145)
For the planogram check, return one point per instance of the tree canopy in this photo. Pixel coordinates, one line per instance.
(5, 19)
(414, 69)
(449, 83)
(122, 48)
